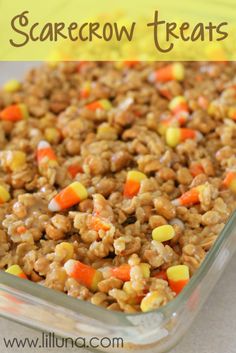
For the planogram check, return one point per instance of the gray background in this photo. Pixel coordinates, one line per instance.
(214, 330)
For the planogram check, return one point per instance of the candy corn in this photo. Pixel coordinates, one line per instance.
(68, 197)
(190, 197)
(232, 113)
(179, 108)
(178, 104)
(15, 112)
(230, 181)
(45, 156)
(11, 86)
(145, 269)
(16, 271)
(151, 301)
(133, 182)
(178, 277)
(85, 90)
(52, 135)
(106, 132)
(13, 160)
(64, 251)
(196, 168)
(102, 104)
(173, 121)
(74, 169)
(163, 233)
(84, 274)
(97, 223)
(122, 272)
(4, 195)
(174, 136)
(168, 73)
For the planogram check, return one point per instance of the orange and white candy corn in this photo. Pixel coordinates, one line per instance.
(102, 104)
(15, 112)
(178, 277)
(230, 181)
(163, 233)
(190, 197)
(45, 156)
(16, 270)
(179, 107)
(85, 89)
(178, 104)
(84, 274)
(133, 183)
(175, 135)
(167, 73)
(68, 197)
(4, 195)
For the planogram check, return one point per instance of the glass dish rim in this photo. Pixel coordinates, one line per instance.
(73, 304)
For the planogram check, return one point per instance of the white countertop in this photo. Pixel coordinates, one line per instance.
(214, 330)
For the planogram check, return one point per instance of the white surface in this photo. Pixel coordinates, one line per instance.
(214, 330)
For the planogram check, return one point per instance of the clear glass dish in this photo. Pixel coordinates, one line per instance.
(48, 310)
(159, 330)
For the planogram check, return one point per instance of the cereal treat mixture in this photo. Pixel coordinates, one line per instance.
(116, 177)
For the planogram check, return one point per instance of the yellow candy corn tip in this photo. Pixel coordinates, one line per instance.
(24, 111)
(79, 189)
(176, 101)
(232, 186)
(105, 128)
(105, 104)
(136, 176)
(173, 136)
(163, 233)
(152, 301)
(96, 279)
(4, 194)
(14, 270)
(64, 249)
(51, 133)
(11, 86)
(145, 270)
(17, 160)
(178, 272)
(178, 70)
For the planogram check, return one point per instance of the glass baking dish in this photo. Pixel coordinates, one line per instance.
(159, 330)
(49, 310)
